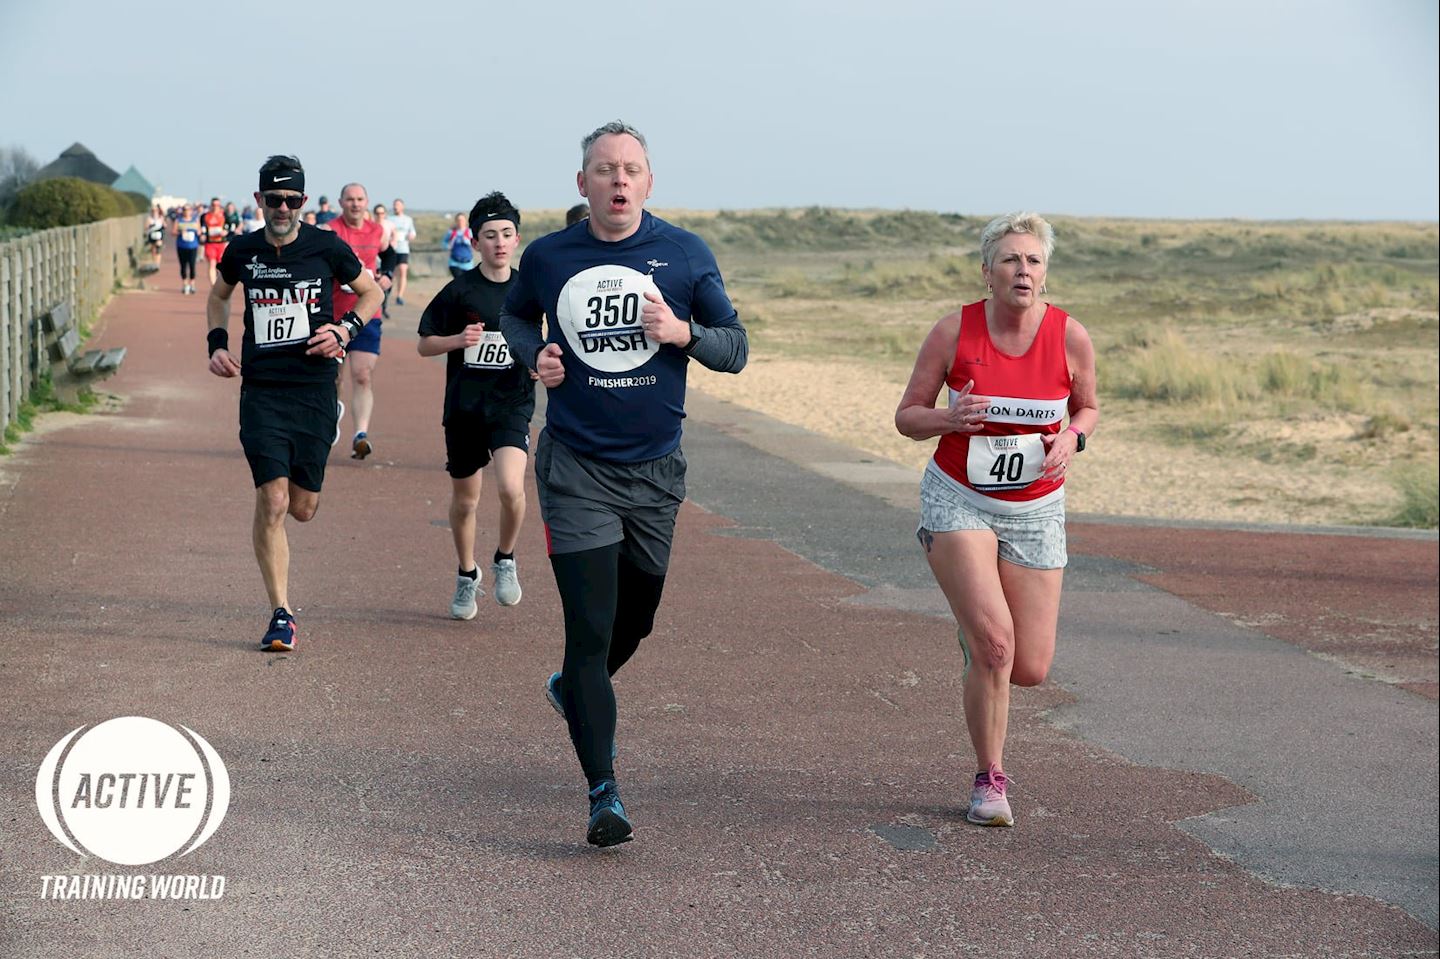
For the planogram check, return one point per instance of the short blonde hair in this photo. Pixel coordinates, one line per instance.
(1000, 227)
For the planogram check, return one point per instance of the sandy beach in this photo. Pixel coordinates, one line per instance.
(1125, 471)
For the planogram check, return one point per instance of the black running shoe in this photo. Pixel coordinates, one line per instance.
(609, 826)
(280, 637)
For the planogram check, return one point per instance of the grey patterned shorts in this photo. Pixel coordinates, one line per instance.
(1035, 539)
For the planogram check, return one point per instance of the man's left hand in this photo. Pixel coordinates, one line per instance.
(660, 323)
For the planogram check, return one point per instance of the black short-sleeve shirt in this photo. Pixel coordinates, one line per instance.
(287, 297)
(486, 379)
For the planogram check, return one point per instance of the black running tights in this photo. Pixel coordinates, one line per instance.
(609, 607)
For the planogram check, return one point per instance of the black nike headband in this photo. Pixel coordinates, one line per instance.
(282, 176)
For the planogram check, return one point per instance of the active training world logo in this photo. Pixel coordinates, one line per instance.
(132, 791)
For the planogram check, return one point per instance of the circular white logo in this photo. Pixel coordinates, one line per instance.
(132, 790)
(599, 312)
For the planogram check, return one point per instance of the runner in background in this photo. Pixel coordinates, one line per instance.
(186, 231)
(387, 253)
(400, 242)
(457, 243)
(214, 234)
(324, 214)
(155, 233)
(233, 225)
(364, 236)
(576, 213)
(489, 400)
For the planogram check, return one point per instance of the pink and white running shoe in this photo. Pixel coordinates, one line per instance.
(988, 805)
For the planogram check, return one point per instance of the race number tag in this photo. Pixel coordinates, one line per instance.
(598, 312)
(491, 353)
(1004, 462)
(188, 236)
(281, 323)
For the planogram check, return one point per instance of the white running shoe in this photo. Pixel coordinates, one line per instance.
(988, 805)
(507, 582)
(466, 589)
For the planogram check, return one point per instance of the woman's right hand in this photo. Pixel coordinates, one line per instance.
(967, 411)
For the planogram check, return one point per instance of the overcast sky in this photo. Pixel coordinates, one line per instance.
(1196, 108)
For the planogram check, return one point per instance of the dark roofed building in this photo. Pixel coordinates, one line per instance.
(77, 161)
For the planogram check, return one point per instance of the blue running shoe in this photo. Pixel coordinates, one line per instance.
(552, 696)
(280, 637)
(609, 826)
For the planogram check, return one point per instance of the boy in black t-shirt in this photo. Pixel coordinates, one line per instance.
(489, 399)
(287, 362)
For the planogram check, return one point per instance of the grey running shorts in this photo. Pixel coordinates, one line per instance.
(1035, 539)
(588, 503)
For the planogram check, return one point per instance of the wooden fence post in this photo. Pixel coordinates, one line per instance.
(17, 352)
(5, 407)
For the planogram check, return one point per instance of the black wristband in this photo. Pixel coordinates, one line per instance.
(352, 323)
(218, 339)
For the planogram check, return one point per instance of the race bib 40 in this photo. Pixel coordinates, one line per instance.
(1004, 462)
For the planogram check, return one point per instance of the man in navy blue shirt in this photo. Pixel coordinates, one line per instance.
(631, 300)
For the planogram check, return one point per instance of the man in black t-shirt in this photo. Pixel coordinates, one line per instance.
(489, 399)
(288, 357)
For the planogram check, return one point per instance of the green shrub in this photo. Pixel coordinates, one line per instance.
(66, 201)
(1419, 487)
(139, 202)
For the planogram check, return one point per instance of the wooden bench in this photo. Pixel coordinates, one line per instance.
(142, 267)
(64, 342)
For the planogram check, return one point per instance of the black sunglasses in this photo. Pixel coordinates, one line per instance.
(275, 200)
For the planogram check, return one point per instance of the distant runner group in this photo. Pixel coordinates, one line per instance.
(607, 314)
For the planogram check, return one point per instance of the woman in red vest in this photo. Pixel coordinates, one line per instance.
(992, 501)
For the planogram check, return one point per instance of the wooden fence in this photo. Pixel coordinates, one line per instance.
(76, 264)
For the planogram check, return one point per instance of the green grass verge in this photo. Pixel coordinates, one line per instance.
(44, 400)
(1419, 486)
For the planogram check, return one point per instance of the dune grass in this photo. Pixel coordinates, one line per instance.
(1284, 343)
(1280, 341)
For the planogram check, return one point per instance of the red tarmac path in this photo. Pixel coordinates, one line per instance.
(796, 764)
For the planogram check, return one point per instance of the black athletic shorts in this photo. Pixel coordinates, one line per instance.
(402, 258)
(470, 439)
(288, 431)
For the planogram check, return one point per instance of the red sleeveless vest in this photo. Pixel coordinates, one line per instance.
(1029, 396)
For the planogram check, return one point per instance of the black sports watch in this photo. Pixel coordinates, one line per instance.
(1079, 439)
(694, 336)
